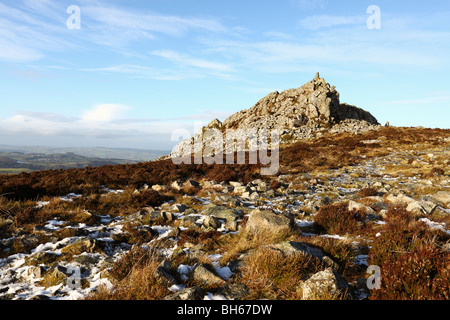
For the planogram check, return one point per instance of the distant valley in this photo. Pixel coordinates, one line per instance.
(17, 159)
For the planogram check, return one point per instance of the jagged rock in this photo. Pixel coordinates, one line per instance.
(206, 277)
(235, 184)
(235, 291)
(298, 113)
(212, 222)
(159, 187)
(353, 205)
(43, 258)
(176, 185)
(400, 199)
(187, 221)
(327, 284)
(194, 293)
(177, 207)
(229, 214)
(163, 275)
(167, 216)
(29, 241)
(35, 273)
(268, 221)
(192, 184)
(421, 207)
(82, 245)
(291, 247)
(442, 196)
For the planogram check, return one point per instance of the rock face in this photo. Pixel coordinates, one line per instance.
(268, 221)
(316, 102)
(297, 113)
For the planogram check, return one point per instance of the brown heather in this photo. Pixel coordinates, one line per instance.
(413, 262)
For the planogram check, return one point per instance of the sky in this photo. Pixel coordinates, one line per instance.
(94, 73)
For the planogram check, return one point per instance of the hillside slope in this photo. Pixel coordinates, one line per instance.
(155, 230)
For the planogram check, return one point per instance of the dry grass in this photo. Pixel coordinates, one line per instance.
(134, 276)
(233, 246)
(270, 274)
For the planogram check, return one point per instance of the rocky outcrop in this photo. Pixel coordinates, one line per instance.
(316, 102)
(300, 113)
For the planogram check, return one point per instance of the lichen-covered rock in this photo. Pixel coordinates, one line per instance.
(327, 284)
(268, 221)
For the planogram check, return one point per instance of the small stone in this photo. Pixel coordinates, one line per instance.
(194, 293)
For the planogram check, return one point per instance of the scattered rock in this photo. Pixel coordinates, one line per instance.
(421, 207)
(235, 291)
(194, 293)
(212, 222)
(327, 284)
(206, 277)
(263, 221)
(291, 247)
(443, 197)
(82, 245)
(163, 275)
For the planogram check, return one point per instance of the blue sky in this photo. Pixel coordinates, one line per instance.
(135, 71)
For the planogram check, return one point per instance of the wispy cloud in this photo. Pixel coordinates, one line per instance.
(31, 30)
(145, 72)
(173, 25)
(317, 22)
(188, 61)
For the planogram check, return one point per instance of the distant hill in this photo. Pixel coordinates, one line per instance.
(17, 159)
(106, 153)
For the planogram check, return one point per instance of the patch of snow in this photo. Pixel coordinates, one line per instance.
(54, 225)
(163, 231)
(435, 225)
(210, 296)
(333, 236)
(70, 197)
(177, 287)
(362, 259)
(41, 204)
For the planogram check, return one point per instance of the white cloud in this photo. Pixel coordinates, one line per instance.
(186, 60)
(110, 16)
(104, 113)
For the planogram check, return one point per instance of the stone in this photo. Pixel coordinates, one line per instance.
(235, 291)
(206, 277)
(159, 187)
(421, 207)
(222, 212)
(44, 257)
(177, 207)
(212, 222)
(299, 113)
(167, 216)
(353, 205)
(176, 185)
(35, 273)
(235, 184)
(192, 184)
(194, 293)
(292, 247)
(400, 199)
(263, 221)
(163, 275)
(187, 221)
(443, 197)
(82, 245)
(327, 284)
